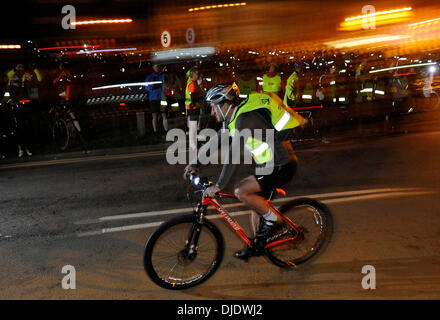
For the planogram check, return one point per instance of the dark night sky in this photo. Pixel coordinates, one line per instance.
(19, 18)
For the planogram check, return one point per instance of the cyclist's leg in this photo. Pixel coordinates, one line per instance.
(75, 121)
(164, 111)
(193, 115)
(155, 109)
(247, 191)
(155, 116)
(254, 220)
(255, 190)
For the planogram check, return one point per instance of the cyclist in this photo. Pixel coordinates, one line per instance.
(193, 103)
(259, 111)
(155, 93)
(63, 82)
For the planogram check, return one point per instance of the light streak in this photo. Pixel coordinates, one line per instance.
(217, 6)
(103, 21)
(404, 66)
(123, 85)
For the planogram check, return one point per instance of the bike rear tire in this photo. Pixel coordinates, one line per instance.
(61, 134)
(172, 274)
(315, 221)
(433, 102)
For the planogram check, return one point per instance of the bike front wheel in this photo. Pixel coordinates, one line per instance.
(315, 224)
(173, 262)
(61, 134)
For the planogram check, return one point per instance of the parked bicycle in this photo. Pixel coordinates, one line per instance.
(15, 125)
(186, 250)
(65, 125)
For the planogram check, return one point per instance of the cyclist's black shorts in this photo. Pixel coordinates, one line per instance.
(279, 177)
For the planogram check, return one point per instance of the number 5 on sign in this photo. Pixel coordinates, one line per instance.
(165, 39)
(190, 35)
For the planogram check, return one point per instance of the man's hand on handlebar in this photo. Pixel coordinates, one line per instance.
(211, 191)
(190, 169)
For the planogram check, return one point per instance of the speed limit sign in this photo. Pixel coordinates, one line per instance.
(190, 35)
(165, 39)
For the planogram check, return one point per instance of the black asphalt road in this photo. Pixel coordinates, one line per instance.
(96, 213)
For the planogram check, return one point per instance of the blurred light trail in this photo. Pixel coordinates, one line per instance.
(354, 42)
(424, 22)
(123, 85)
(378, 13)
(68, 47)
(10, 46)
(217, 6)
(405, 66)
(182, 54)
(104, 21)
(308, 108)
(105, 50)
(380, 18)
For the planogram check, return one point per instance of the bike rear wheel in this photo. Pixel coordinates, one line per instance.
(61, 134)
(433, 102)
(167, 260)
(315, 223)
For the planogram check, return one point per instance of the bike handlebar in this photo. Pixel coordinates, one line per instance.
(198, 181)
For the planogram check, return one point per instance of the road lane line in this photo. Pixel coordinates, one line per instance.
(80, 160)
(245, 212)
(120, 229)
(107, 157)
(238, 204)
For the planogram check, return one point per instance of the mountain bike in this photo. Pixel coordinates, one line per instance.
(186, 250)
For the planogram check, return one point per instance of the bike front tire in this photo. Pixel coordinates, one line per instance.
(164, 262)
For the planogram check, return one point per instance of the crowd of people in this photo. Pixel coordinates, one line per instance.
(306, 80)
(302, 80)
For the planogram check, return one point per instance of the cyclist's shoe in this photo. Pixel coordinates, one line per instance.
(20, 153)
(244, 254)
(266, 229)
(28, 152)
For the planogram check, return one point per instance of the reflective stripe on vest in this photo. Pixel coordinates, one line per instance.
(379, 91)
(261, 151)
(367, 90)
(307, 95)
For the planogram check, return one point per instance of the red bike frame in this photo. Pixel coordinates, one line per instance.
(225, 214)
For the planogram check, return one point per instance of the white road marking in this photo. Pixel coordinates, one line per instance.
(238, 204)
(360, 196)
